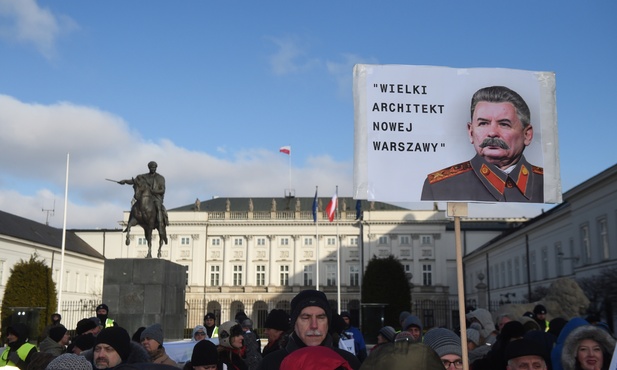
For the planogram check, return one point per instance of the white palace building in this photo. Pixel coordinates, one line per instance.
(255, 254)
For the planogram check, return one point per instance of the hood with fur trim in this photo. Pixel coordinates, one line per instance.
(485, 319)
(198, 328)
(570, 346)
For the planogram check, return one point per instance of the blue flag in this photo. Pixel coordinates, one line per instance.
(358, 209)
(315, 206)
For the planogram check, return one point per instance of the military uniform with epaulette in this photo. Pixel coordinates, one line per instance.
(480, 180)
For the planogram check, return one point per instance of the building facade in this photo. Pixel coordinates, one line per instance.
(82, 276)
(256, 254)
(576, 239)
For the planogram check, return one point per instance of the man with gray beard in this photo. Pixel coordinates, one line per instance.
(499, 130)
(310, 319)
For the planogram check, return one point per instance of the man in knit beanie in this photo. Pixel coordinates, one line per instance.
(56, 341)
(69, 361)
(81, 343)
(447, 345)
(413, 325)
(310, 320)
(277, 323)
(86, 326)
(112, 348)
(152, 341)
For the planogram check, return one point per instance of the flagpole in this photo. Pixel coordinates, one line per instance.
(66, 197)
(316, 219)
(289, 172)
(338, 257)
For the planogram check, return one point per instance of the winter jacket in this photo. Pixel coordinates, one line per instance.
(161, 357)
(570, 346)
(49, 345)
(231, 358)
(403, 355)
(273, 360)
(317, 357)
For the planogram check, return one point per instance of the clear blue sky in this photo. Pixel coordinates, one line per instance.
(212, 89)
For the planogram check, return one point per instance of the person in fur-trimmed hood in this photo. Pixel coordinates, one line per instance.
(587, 347)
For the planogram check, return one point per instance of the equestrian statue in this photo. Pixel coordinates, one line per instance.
(148, 210)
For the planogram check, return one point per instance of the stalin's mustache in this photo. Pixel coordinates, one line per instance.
(493, 141)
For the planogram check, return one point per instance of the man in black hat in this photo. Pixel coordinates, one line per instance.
(102, 313)
(310, 318)
(56, 342)
(525, 354)
(539, 314)
(277, 324)
(205, 356)
(212, 331)
(113, 346)
(55, 321)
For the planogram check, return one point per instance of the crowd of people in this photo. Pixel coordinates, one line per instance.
(313, 336)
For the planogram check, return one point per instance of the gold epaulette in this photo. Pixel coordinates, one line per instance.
(537, 170)
(449, 172)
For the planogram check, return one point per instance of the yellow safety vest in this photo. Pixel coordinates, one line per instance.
(22, 352)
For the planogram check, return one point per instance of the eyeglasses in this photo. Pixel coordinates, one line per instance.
(457, 363)
(200, 333)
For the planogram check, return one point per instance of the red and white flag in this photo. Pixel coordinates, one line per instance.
(285, 149)
(332, 206)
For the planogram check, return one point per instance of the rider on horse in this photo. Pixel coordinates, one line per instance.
(156, 184)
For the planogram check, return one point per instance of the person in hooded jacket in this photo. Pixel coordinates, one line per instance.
(199, 333)
(587, 347)
(483, 317)
(231, 347)
(18, 351)
(355, 334)
(567, 329)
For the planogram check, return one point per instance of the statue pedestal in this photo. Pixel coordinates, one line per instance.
(141, 292)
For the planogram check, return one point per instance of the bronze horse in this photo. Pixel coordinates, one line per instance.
(144, 214)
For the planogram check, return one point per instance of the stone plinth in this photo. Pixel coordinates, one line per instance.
(141, 292)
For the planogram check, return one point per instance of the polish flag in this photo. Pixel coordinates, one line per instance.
(332, 206)
(285, 149)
